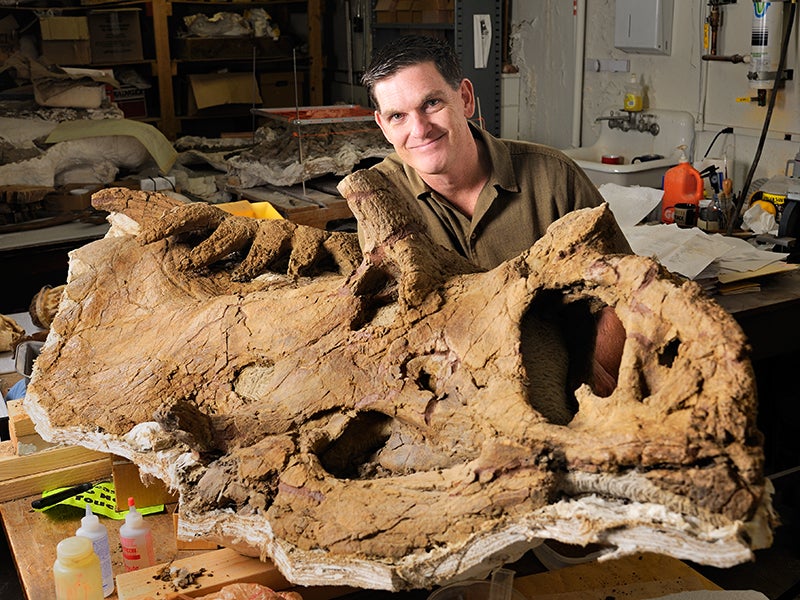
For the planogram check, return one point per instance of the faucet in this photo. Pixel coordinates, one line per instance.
(637, 121)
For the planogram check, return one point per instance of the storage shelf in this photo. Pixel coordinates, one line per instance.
(160, 21)
(442, 26)
(239, 3)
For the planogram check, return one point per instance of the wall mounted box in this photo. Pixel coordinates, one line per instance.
(643, 26)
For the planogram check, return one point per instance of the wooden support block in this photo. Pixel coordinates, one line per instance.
(7, 449)
(128, 483)
(190, 544)
(30, 444)
(52, 459)
(19, 423)
(58, 466)
(222, 567)
(30, 485)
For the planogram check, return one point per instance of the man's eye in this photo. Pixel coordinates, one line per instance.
(432, 103)
(396, 117)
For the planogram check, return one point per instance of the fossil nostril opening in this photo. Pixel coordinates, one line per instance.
(353, 454)
(668, 354)
(565, 343)
(555, 340)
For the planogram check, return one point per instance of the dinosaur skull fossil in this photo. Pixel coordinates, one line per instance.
(405, 423)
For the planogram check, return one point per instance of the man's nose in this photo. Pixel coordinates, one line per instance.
(420, 125)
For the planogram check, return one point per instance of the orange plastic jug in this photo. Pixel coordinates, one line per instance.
(682, 185)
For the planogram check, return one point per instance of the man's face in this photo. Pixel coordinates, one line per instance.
(424, 118)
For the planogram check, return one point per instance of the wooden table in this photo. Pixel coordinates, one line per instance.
(770, 317)
(33, 536)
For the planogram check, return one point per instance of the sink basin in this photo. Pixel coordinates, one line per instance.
(676, 128)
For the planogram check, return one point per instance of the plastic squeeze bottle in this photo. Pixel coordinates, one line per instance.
(77, 570)
(136, 540)
(683, 184)
(95, 531)
(634, 95)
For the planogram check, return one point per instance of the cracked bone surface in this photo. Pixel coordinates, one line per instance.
(403, 425)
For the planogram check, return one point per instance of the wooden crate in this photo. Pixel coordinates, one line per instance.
(48, 466)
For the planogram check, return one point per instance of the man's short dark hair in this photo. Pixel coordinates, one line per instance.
(410, 50)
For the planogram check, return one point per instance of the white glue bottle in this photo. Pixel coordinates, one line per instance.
(98, 534)
(136, 540)
(77, 570)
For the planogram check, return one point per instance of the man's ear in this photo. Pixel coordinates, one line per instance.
(380, 123)
(467, 93)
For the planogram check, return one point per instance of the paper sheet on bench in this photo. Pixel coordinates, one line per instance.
(688, 252)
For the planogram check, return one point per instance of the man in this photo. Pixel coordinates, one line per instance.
(487, 199)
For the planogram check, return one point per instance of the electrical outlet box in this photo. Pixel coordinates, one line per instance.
(643, 26)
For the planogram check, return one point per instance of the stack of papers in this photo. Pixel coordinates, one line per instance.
(710, 259)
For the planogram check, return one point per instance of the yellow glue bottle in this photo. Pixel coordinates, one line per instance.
(77, 571)
(136, 540)
(634, 95)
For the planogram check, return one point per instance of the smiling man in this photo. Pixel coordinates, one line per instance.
(487, 199)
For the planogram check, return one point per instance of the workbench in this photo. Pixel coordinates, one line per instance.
(771, 320)
(770, 317)
(33, 536)
(29, 260)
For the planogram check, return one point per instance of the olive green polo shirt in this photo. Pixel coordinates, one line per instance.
(529, 187)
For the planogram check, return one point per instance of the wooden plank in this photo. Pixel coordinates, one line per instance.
(200, 544)
(29, 444)
(20, 487)
(222, 567)
(635, 577)
(128, 482)
(51, 459)
(32, 537)
(19, 423)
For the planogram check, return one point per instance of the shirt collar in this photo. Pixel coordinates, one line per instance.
(502, 168)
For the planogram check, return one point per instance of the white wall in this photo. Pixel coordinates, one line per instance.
(543, 49)
(680, 81)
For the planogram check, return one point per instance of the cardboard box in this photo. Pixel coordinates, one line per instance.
(65, 40)
(132, 101)
(405, 11)
(232, 47)
(278, 89)
(215, 89)
(64, 28)
(115, 35)
(438, 16)
(72, 197)
(386, 11)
